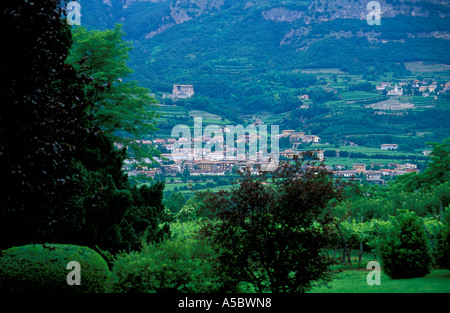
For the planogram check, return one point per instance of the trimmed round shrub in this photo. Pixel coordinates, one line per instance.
(405, 250)
(43, 268)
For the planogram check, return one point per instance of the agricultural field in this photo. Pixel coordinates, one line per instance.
(423, 101)
(272, 119)
(208, 118)
(391, 105)
(348, 162)
(353, 96)
(423, 67)
(172, 111)
(361, 149)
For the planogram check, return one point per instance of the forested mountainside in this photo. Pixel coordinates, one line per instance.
(224, 46)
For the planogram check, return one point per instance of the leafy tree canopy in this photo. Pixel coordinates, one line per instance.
(122, 109)
(271, 229)
(437, 172)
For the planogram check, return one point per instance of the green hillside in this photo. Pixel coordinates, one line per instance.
(244, 55)
(256, 58)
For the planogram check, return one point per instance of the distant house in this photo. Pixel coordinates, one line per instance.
(372, 174)
(144, 142)
(289, 153)
(395, 92)
(385, 84)
(182, 91)
(344, 173)
(409, 166)
(426, 152)
(359, 167)
(304, 97)
(159, 141)
(447, 86)
(320, 155)
(311, 138)
(430, 88)
(386, 171)
(389, 146)
(296, 136)
(287, 132)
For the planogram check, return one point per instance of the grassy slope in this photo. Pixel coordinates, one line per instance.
(438, 281)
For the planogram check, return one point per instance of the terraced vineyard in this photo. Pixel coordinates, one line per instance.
(423, 101)
(173, 112)
(356, 99)
(359, 95)
(235, 66)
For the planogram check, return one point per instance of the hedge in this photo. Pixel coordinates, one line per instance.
(43, 268)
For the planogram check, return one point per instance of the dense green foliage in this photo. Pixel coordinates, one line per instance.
(43, 122)
(43, 268)
(442, 254)
(260, 220)
(177, 265)
(69, 98)
(62, 174)
(405, 250)
(273, 235)
(235, 55)
(438, 172)
(122, 109)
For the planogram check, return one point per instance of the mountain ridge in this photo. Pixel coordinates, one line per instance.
(225, 47)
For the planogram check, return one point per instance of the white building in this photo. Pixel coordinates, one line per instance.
(396, 91)
(182, 91)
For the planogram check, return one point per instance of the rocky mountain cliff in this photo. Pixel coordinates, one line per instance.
(172, 12)
(211, 43)
(157, 16)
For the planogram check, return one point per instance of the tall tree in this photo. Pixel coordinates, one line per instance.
(62, 177)
(270, 231)
(42, 120)
(121, 108)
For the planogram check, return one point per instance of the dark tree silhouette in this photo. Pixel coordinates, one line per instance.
(62, 178)
(271, 230)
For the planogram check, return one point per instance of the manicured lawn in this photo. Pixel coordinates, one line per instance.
(438, 281)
